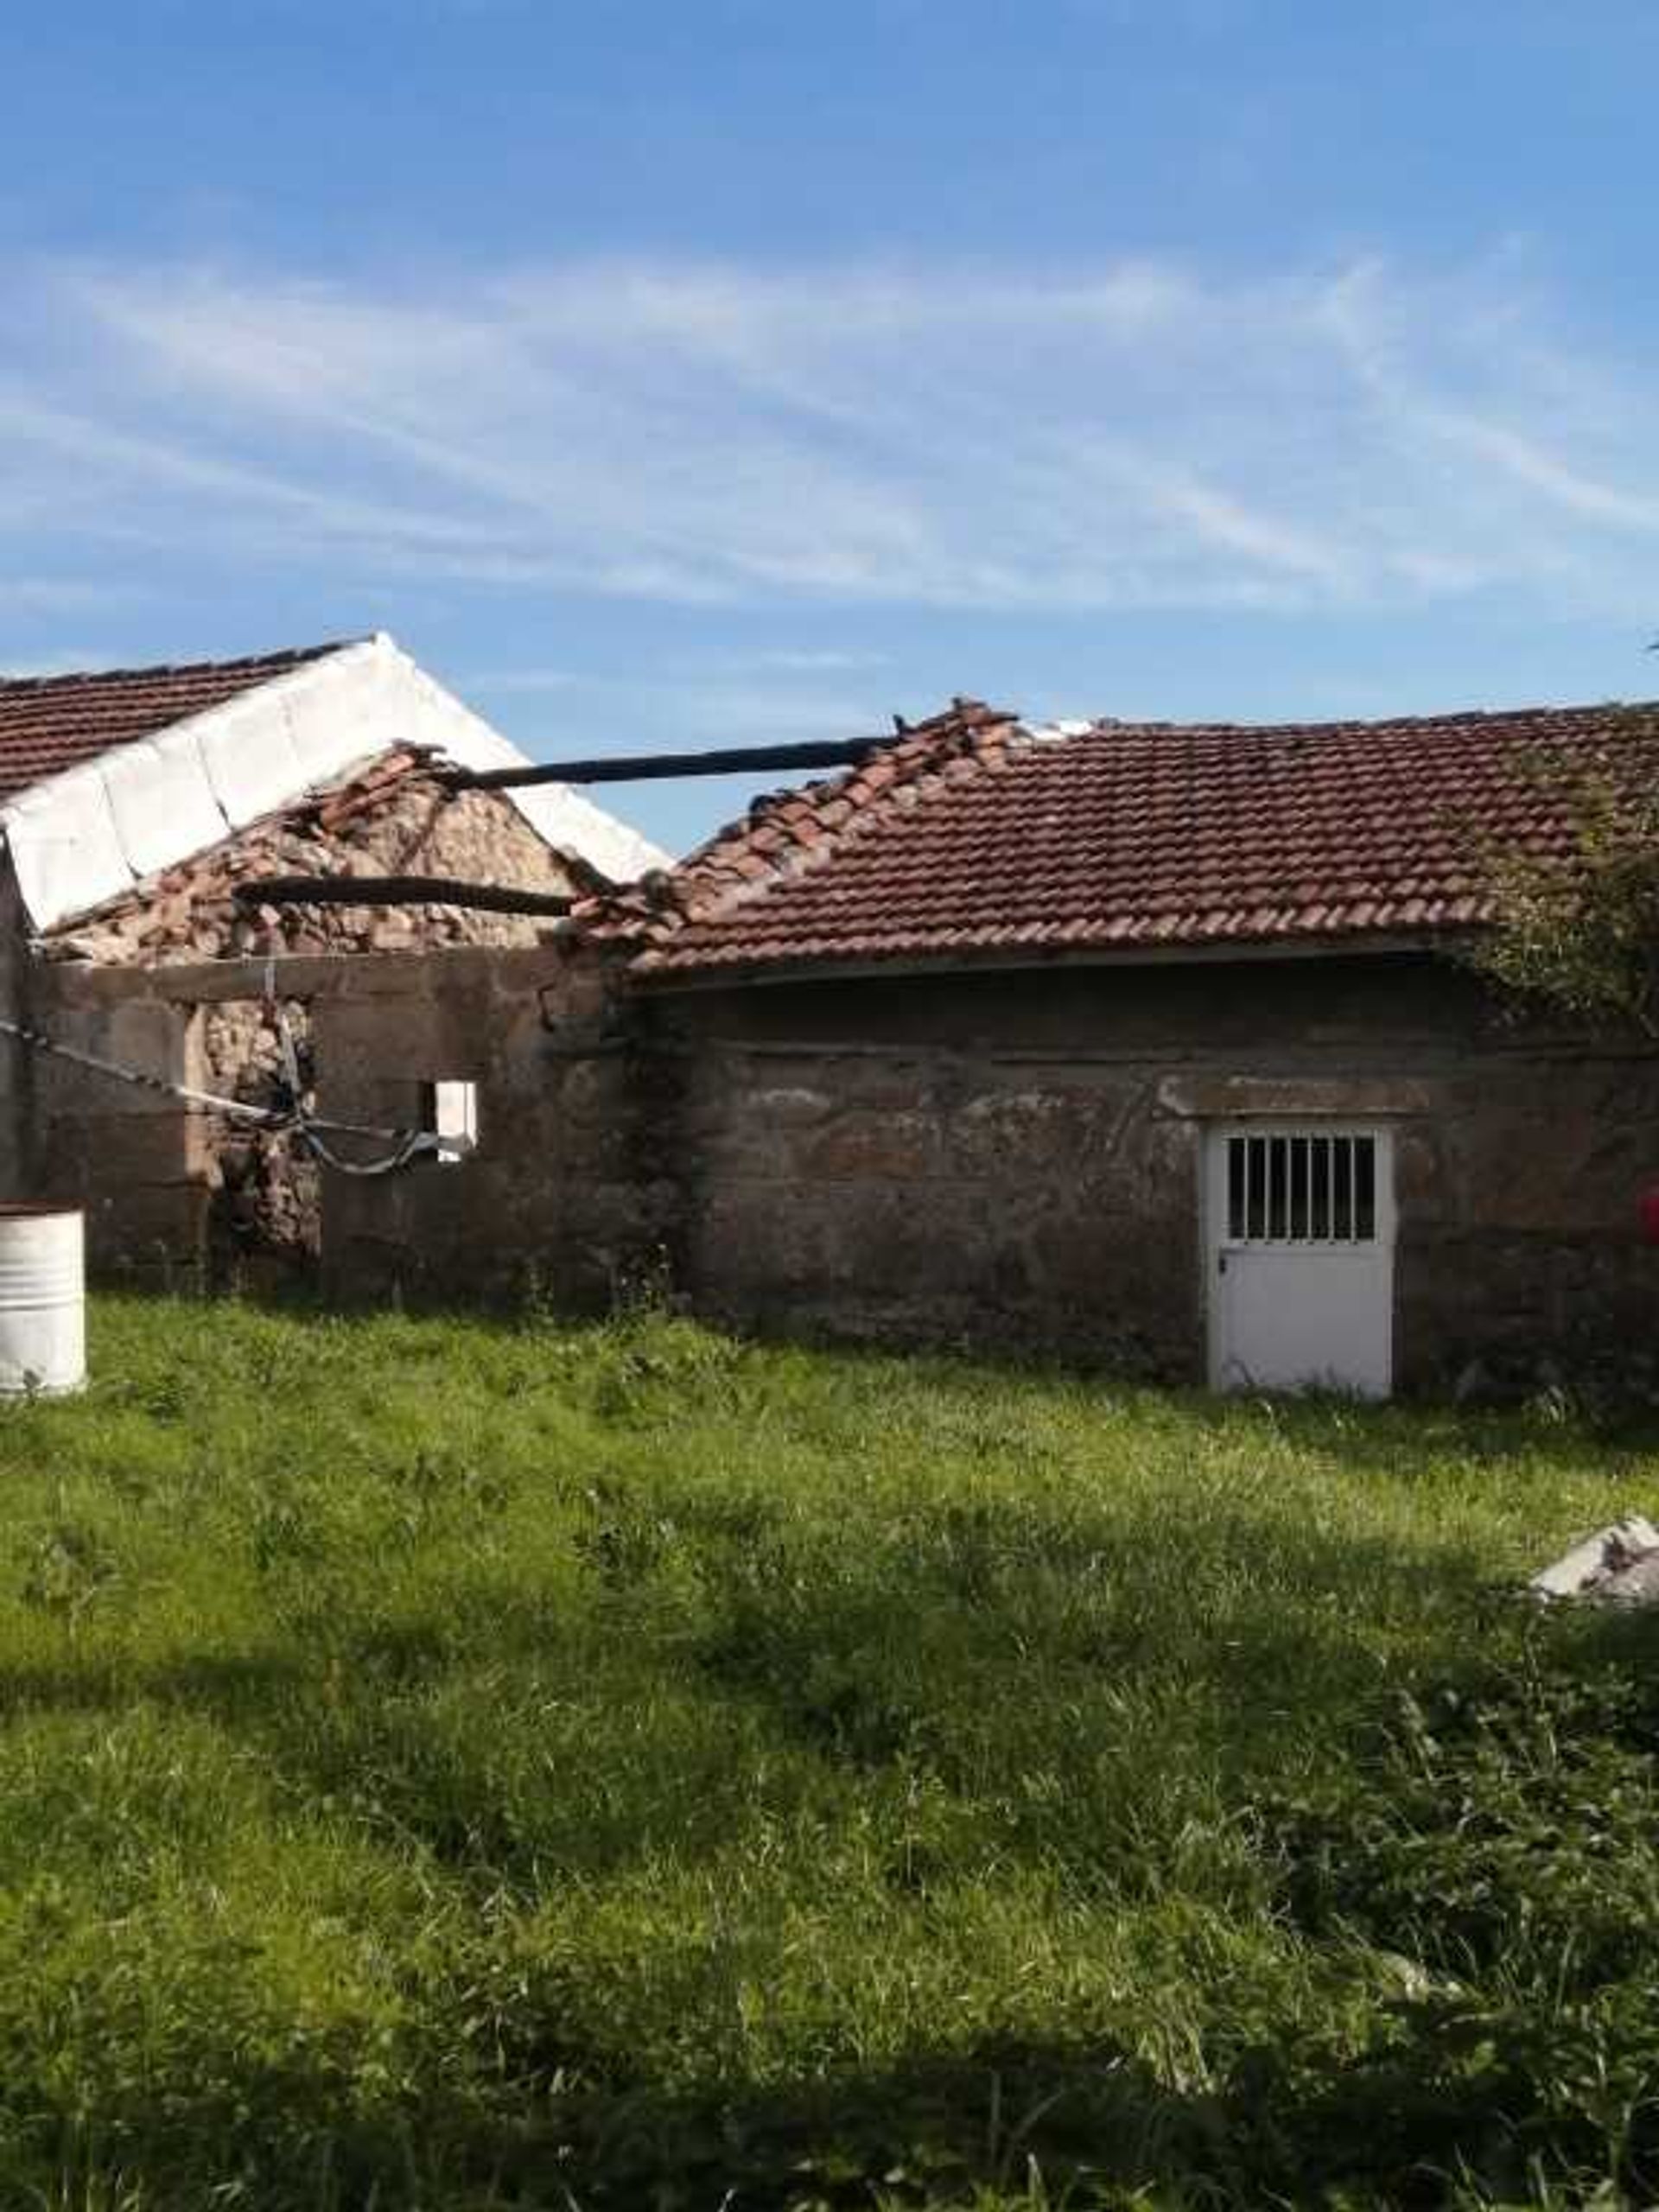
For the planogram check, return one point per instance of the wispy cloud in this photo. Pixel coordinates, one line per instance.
(802, 660)
(26, 595)
(697, 705)
(1138, 434)
(522, 683)
(763, 666)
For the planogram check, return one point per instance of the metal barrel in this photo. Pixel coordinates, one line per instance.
(42, 1300)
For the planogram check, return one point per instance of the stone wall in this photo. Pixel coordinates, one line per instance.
(571, 1191)
(264, 1220)
(141, 1169)
(997, 1160)
(230, 1204)
(559, 1201)
(1016, 1160)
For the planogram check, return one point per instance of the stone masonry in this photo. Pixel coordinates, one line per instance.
(1013, 1159)
(1002, 1160)
(394, 819)
(217, 1200)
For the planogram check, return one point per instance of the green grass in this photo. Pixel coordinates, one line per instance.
(460, 1764)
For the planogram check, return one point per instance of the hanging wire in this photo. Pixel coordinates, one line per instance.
(292, 1117)
(407, 1145)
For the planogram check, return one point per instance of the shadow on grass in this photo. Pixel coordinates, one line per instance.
(1291, 2122)
(526, 2117)
(1266, 1619)
(983, 1645)
(1395, 1439)
(1011, 2122)
(228, 1685)
(934, 2131)
(931, 2129)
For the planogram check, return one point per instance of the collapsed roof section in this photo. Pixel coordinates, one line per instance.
(106, 779)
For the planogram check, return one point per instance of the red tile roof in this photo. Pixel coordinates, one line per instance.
(48, 723)
(973, 836)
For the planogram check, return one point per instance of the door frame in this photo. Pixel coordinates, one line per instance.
(1213, 1242)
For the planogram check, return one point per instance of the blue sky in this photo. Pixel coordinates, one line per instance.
(668, 371)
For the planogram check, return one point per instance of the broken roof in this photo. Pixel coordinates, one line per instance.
(975, 835)
(107, 778)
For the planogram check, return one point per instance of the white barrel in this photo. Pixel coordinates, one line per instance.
(42, 1299)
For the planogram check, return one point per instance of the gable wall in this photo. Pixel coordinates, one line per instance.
(92, 832)
(407, 826)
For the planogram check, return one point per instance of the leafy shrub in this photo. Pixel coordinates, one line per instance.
(1578, 930)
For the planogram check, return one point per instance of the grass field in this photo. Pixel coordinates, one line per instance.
(460, 1764)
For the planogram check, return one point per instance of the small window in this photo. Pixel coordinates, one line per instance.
(1316, 1188)
(449, 1112)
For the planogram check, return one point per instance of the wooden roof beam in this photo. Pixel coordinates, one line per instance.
(396, 891)
(651, 768)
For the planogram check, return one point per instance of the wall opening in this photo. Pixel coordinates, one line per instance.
(449, 1112)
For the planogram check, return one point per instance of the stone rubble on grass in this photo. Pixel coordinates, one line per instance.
(1618, 1566)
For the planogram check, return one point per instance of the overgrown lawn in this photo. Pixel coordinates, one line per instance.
(464, 1764)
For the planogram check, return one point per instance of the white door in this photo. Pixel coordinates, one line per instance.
(1300, 1255)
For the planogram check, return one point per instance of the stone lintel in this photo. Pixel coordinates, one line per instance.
(1294, 1098)
(344, 974)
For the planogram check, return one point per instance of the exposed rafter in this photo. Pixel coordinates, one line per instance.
(651, 767)
(396, 891)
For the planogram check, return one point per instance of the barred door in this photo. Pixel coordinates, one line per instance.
(1301, 1253)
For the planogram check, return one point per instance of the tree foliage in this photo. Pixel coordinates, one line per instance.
(1577, 930)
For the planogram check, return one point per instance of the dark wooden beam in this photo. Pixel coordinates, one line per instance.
(396, 891)
(649, 768)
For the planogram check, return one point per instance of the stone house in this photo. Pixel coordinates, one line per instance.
(1151, 1043)
(135, 806)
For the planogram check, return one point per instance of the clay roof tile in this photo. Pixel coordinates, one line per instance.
(970, 832)
(50, 723)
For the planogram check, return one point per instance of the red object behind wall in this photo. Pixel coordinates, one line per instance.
(1647, 1207)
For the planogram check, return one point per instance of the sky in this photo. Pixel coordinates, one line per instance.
(677, 372)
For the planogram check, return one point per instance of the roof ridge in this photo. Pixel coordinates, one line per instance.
(1455, 717)
(282, 656)
(785, 831)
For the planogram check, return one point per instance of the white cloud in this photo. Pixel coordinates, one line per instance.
(528, 682)
(1137, 435)
(52, 595)
(802, 660)
(630, 713)
(1545, 473)
(719, 668)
